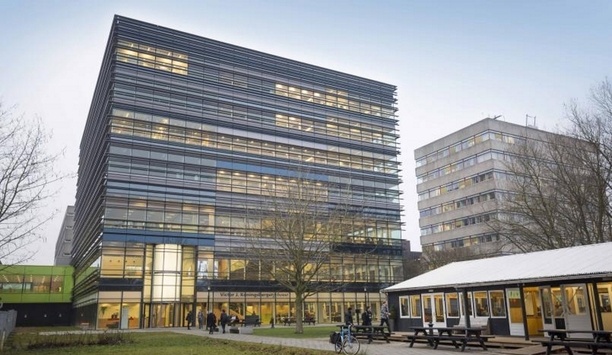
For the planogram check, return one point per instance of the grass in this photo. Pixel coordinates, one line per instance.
(171, 343)
(289, 332)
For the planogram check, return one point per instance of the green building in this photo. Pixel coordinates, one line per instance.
(41, 295)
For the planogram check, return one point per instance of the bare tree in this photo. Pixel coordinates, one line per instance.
(296, 234)
(431, 259)
(26, 176)
(594, 126)
(559, 185)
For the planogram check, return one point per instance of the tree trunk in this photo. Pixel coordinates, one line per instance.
(299, 313)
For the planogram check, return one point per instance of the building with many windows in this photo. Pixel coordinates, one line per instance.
(460, 179)
(183, 136)
(566, 288)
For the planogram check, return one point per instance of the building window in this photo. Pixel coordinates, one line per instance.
(415, 306)
(151, 57)
(482, 304)
(404, 307)
(452, 305)
(498, 305)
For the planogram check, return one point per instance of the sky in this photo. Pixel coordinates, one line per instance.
(454, 62)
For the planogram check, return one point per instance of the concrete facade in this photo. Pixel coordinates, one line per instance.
(460, 179)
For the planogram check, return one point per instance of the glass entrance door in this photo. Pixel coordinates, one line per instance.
(565, 307)
(163, 315)
(515, 312)
(553, 314)
(533, 311)
(576, 307)
(433, 309)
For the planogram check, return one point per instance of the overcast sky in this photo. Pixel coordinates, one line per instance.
(454, 62)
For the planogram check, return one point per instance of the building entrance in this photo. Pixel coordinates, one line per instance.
(433, 309)
(161, 315)
(566, 307)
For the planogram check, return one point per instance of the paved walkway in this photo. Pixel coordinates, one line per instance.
(376, 348)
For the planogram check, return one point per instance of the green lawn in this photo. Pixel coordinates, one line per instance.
(171, 343)
(289, 332)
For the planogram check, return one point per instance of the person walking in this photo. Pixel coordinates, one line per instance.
(211, 322)
(189, 319)
(348, 316)
(384, 315)
(200, 319)
(224, 320)
(366, 319)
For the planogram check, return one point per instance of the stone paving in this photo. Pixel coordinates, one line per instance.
(375, 348)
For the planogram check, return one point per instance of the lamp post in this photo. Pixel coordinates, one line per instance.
(365, 290)
(208, 299)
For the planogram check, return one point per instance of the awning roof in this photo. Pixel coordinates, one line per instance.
(585, 261)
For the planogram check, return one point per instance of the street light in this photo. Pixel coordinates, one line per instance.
(365, 290)
(208, 300)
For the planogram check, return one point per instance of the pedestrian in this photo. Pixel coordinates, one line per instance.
(384, 315)
(348, 316)
(224, 319)
(366, 319)
(200, 319)
(189, 319)
(211, 322)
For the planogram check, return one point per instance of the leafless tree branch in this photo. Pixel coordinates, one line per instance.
(27, 178)
(294, 236)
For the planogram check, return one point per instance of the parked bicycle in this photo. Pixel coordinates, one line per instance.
(346, 341)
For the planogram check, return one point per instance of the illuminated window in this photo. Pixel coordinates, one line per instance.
(452, 305)
(151, 57)
(415, 306)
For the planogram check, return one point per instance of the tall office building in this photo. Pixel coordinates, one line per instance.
(63, 246)
(460, 179)
(183, 135)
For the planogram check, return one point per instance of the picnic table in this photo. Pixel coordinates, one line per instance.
(589, 339)
(459, 337)
(289, 320)
(371, 332)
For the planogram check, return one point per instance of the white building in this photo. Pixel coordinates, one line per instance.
(460, 179)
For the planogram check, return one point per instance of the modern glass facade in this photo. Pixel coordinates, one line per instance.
(183, 136)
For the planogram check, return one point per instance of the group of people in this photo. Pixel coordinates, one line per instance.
(366, 317)
(211, 321)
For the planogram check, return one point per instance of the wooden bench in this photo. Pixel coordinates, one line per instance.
(460, 341)
(371, 332)
(599, 340)
(576, 343)
(309, 320)
(449, 336)
(251, 320)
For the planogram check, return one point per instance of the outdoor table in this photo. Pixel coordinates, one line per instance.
(595, 340)
(371, 330)
(459, 336)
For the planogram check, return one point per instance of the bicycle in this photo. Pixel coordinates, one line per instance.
(347, 342)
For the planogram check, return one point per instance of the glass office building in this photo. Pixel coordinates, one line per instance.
(183, 135)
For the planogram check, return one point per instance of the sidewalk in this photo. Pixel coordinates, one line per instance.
(376, 348)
